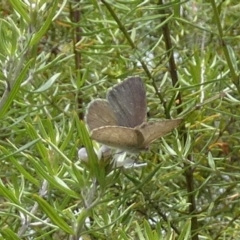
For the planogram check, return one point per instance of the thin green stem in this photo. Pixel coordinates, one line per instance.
(235, 77)
(133, 46)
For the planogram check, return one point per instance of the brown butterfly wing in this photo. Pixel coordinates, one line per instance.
(128, 101)
(151, 131)
(99, 114)
(127, 139)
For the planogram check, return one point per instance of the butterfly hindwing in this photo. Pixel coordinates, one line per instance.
(154, 130)
(127, 139)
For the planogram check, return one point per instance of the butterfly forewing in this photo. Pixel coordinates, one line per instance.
(128, 101)
(151, 131)
(127, 139)
(99, 114)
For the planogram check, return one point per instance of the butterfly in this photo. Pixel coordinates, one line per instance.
(120, 121)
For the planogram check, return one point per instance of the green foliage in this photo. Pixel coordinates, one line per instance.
(56, 57)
